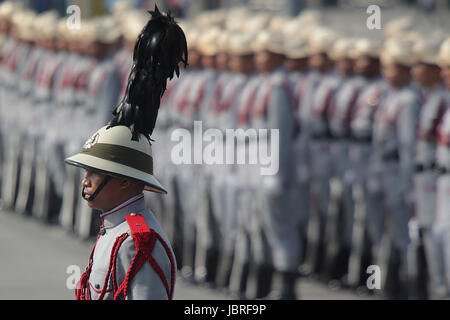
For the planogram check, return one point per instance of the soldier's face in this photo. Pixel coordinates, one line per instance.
(397, 75)
(320, 62)
(73, 46)
(107, 198)
(208, 62)
(242, 64)
(445, 74)
(344, 67)
(367, 67)
(300, 64)
(266, 61)
(60, 44)
(222, 60)
(426, 75)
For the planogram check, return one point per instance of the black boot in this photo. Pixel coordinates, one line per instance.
(264, 274)
(288, 284)
(212, 257)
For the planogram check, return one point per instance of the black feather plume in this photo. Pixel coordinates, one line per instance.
(159, 50)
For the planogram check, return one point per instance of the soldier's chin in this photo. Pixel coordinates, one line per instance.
(92, 205)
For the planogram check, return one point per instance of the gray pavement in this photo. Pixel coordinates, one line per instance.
(35, 262)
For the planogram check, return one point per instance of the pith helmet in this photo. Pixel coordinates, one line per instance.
(321, 41)
(365, 47)
(207, 42)
(123, 147)
(112, 152)
(240, 44)
(399, 26)
(270, 41)
(444, 54)
(342, 48)
(9, 8)
(296, 48)
(427, 50)
(399, 51)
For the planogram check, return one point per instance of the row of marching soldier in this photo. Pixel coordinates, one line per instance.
(363, 145)
(363, 149)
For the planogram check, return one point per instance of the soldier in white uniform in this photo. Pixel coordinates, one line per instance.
(366, 228)
(132, 257)
(340, 220)
(392, 162)
(246, 194)
(223, 116)
(296, 63)
(427, 74)
(14, 62)
(199, 107)
(314, 131)
(441, 223)
(226, 117)
(35, 116)
(114, 270)
(215, 61)
(55, 76)
(7, 44)
(274, 218)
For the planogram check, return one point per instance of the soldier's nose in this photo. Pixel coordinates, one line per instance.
(85, 182)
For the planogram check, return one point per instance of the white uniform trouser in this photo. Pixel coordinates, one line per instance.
(320, 190)
(343, 171)
(441, 234)
(321, 173)
(229, 223)
(387, 207)
(425, 208)
(245, 207)
(370, 189)
(301, 189)
(280, 223)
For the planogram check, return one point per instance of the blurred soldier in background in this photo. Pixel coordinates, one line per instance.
(273, 109)
(240, 66)
(313, 114)
(36, 113)
(392, 162)
(243, 60)
(427, 74)
(340, 221)
(441, 224)
(366, 228)
(200, 95)
(212, 111)
(15, 54)
(296, 64)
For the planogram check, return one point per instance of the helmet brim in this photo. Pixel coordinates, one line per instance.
(111, 168)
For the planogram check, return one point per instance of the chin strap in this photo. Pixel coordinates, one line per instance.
(95, 194)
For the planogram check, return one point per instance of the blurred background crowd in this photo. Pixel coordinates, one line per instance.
(364, 135)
